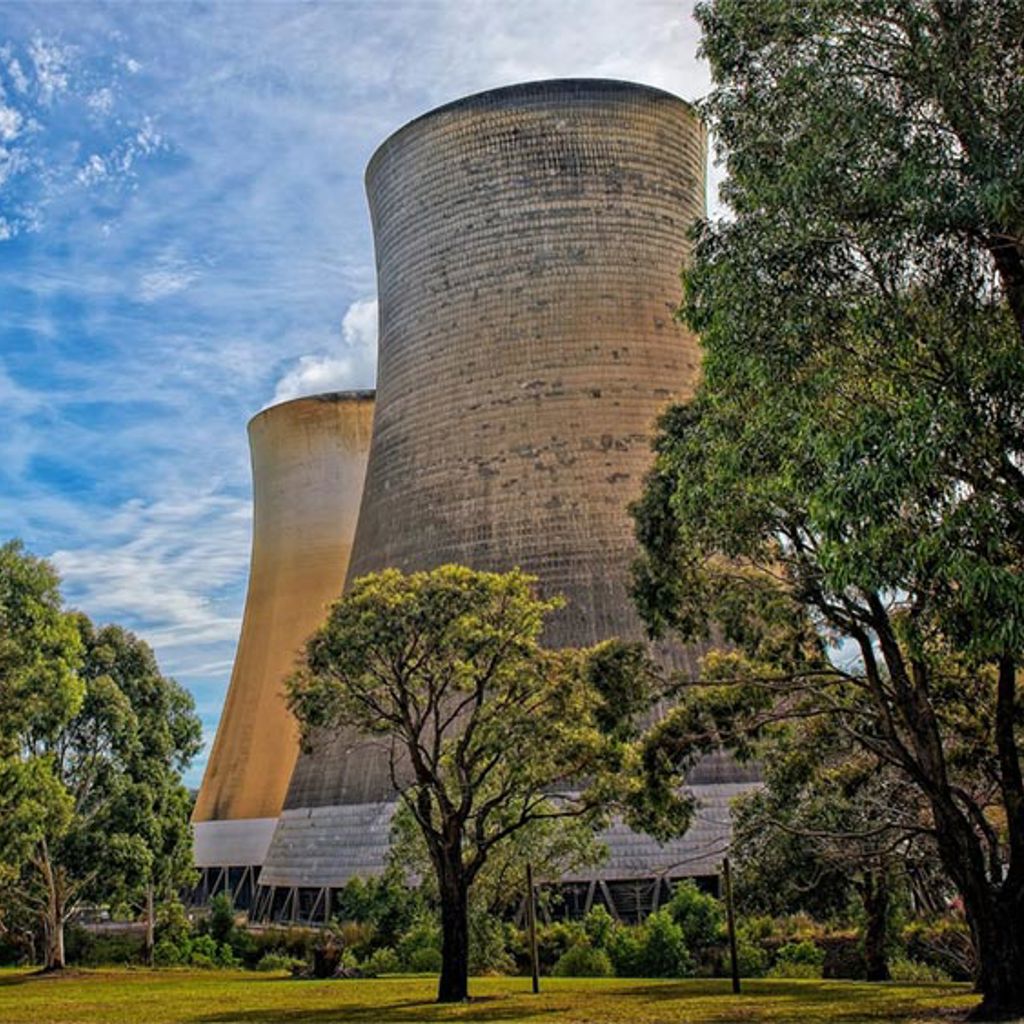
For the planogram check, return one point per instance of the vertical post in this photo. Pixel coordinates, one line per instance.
(531, 925)
(731, 916)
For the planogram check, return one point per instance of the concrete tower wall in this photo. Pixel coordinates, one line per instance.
(529, 243)
(308, 466)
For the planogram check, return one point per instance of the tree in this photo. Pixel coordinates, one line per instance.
(832, 823)
(853, 460)
(167, 734)
(488, 733)
(92, 736)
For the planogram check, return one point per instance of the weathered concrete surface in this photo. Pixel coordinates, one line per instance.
(308, 465)
(529, 245)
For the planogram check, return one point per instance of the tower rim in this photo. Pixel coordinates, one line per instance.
(521, 90)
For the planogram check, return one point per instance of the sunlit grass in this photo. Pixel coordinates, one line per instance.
(234, 997)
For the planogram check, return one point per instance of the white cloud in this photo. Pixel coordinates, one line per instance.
(316, 374)
(170, 276)
(101, 101)
(51, 62)
(313, 375)
(359, 324)
(10, 123)
(93, 170)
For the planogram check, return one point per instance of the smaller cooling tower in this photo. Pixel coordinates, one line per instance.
(308, 464)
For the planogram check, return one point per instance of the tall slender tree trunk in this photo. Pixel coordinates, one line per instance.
(147, 951)
(875, 896)
(453, 986)
(53, 916)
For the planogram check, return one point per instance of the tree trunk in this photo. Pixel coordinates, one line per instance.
(54, 936)
(875, 896)
(997, 925)
(147, 949)
(453, 986)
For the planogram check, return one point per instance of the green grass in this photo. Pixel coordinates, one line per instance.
(233, 997)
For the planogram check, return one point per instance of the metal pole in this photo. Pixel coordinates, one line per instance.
(531, 924)
(731, 915)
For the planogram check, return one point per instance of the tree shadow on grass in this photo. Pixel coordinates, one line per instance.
(843, 1003)
(413, 1011)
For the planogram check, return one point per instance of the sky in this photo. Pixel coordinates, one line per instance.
(184, 240)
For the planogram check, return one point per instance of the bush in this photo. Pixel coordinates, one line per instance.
(844, 956)
(902, 969)
(206, 951)
(752, 960)
(804, 953)
(425, 960)
(383, 961)
(172, 922)
(943, 943)
(784, 969)
(598, 926)
(625, 950)
(488, 952)
(699, 914)
(169, 954)
(555, 939)
(279, 962)
(89, 949)
(663, 951)
(221, 922)
(424, 936)
(584, 961)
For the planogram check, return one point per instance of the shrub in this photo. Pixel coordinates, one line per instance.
(625, 950)
(699, 914)
(279, 962)
(555, 939)
(598, 926)
(902, 969)
(169, 954)
(664, 953)
(583, 961)
(752, 960)
(221, 922)
(90, 949)
(206, 951)
(425, 960)
(944, 943)
(172, 922)
(844, 956)
(424, 935)
(803, 952)
(488, 953)
(383, 961)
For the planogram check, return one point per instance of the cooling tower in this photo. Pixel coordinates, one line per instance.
(308, 464)
(529, 242)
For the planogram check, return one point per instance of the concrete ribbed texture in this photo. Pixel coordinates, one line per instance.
(308, 465)
(529, 243)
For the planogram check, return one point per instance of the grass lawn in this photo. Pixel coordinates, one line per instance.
(233, 997)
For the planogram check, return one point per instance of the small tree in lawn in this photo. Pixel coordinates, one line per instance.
(488, 733)
(92, 737)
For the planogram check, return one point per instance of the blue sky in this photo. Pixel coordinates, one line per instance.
(184, 240)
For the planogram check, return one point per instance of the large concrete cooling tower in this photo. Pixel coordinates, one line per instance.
(529, 243)
(308, 465)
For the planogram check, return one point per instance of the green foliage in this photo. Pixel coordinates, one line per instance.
(915, 972)
(383, 961)
(423, 936)
(625, 948)
(92, 742)
(663, 948)
(598, 926)
(488, 944)
(583, 962)
(276, 962)
(804, 952)
(425, 960)
(89, 949)
(221, 923)
(699, 914)
(849, 470)
(481, 722)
